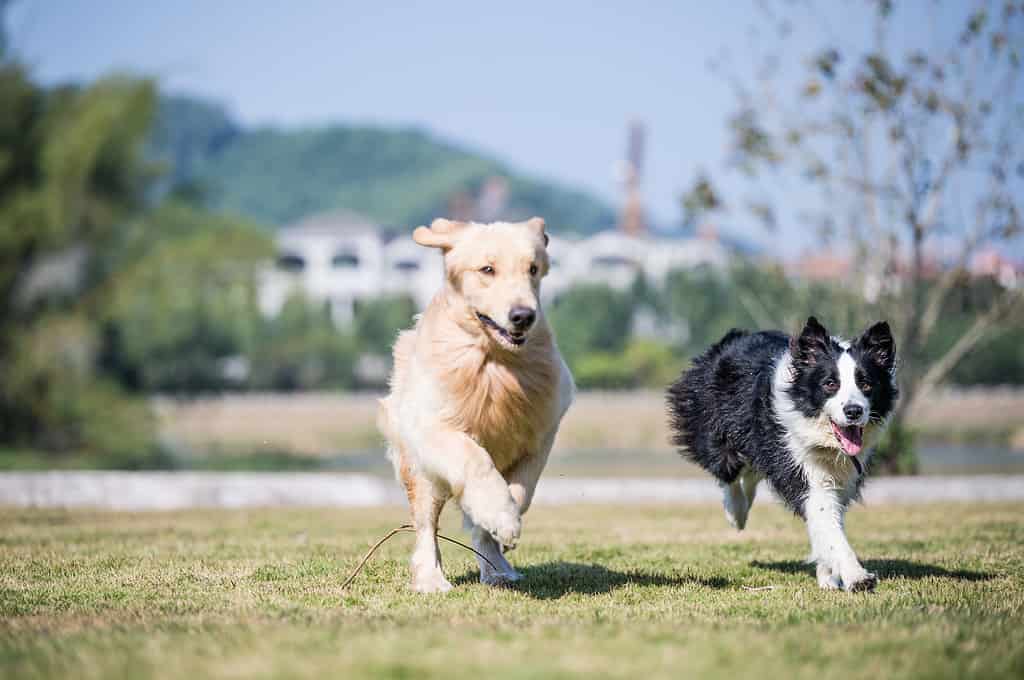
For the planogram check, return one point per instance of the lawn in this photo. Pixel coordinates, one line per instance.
(617, 592)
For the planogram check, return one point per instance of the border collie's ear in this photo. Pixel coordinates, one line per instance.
(877, 342)
(537, 225)
(812, 342)
(440, 234)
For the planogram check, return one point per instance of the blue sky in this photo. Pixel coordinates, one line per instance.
(547, 86)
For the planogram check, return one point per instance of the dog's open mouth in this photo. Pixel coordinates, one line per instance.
(850, 437)
(517, 338)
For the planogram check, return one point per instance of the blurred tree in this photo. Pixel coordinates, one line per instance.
(591, 318)
(377, 322)
(302, 349)
(704, 300)
(1002, 362)
(70, 175)
(651, 363)
(916, 157)
(4, 4)
(180, 308)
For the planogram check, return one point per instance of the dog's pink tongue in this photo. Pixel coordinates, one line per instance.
(850, 438)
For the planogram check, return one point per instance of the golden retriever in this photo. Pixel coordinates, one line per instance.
(477, 393)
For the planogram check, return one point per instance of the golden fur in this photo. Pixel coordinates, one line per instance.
(472, 412)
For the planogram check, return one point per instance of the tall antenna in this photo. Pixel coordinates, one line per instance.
(631, 221)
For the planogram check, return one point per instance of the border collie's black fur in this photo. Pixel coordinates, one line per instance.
(797, 411)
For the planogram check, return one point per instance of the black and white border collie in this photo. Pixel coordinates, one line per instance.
(801, 412)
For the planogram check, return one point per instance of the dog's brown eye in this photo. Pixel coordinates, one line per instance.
(533, 270)
(831, 384)
(489, 270)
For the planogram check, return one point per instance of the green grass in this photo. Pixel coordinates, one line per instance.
(616, 592)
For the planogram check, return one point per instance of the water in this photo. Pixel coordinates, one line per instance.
(965, 459)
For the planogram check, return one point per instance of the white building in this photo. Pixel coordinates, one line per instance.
(615, 259)
(342, 258)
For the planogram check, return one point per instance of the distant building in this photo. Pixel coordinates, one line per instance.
(615, 258)
(342, 258)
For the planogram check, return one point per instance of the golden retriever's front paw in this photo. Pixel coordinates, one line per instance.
(506, 528)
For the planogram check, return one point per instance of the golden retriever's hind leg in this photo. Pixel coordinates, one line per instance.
(426, 501)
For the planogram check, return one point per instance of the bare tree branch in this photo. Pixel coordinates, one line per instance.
(981, 327)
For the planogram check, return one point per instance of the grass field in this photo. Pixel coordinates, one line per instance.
(616, 592)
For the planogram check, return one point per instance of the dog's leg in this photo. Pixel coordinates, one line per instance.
(480, 489)
(749, 480)
(426, 501)
(735, 503)
(502, 573)
(523, 477)
(826, 579)
(522, 481)
(825, 514)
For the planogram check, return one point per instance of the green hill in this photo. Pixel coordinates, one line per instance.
(396, 176)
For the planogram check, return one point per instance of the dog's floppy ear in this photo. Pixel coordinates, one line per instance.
(440, 234)
(811, 344)
(537, 225)
(877, 342)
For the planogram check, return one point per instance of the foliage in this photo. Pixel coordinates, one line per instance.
(51, 388)
(302, 349)
(187, 304)
(591, 318)
(71, 174)
(594, 324)
(185, 133)
(396, 176)
(377, 322)
(106, 295)
(643, 363)
(898, 450)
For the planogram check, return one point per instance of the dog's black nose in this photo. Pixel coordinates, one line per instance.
(522, 317)
(853, 411)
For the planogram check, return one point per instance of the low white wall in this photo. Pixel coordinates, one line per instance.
(175, 490)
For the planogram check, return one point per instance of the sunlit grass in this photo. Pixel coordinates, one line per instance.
(618, 592)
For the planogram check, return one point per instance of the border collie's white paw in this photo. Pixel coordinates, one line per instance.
(857, 579)
(827, 580)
